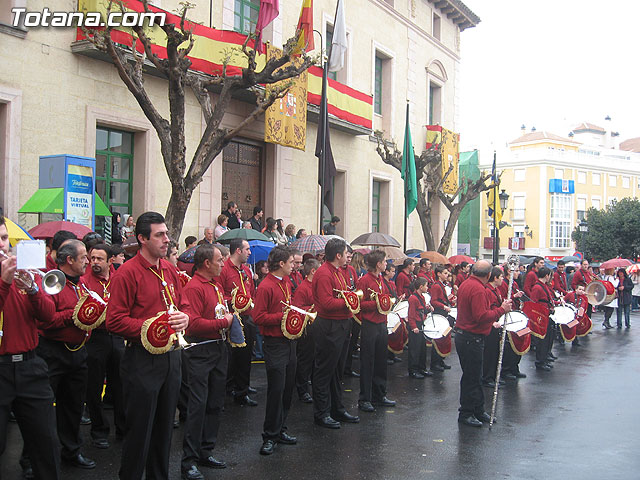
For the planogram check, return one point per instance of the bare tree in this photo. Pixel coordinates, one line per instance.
(176, 69)
(430, 189)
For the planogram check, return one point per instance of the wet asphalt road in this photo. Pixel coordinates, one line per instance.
(580, 421)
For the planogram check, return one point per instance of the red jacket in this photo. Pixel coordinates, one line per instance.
(474, 312)
(50, 263)
(529, 281)
(58, 324)
(295, 279)
(203, 296)
(403, 281)
(580, 301)
(504, 291)
(232, 277)
(326, 300)
(428, 276)
(350, 276)
(494, 296)
(418, 309)
(461, 277)
(439, 297)
(540, 293)
(303, 296)
(560, 282)
(137, 294)
(368, 306)
(268, 309)
(581, 276)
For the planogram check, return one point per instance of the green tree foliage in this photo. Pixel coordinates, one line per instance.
(612, 232)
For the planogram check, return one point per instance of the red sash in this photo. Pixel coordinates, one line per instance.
(584, 326)
(398, 339)
(442, 345)
(538, 314)
(519, 344)
(568, 333)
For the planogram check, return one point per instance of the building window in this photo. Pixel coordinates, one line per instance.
(382, 88)
(519, 174)
(595, 203)
(436, 26)
(581, 206)
(558, 173)
(245, 16)
(560, 220)
(626, 181)
(377, 90)
(435, 104)
(518, 207)
(375, 206)
(582, 177)
(595, 178)
(613, 180)
(114, 171)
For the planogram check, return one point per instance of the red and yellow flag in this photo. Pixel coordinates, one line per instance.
(304, 31)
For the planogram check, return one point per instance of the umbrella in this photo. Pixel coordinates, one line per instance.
(244, 233)
(615, 263)
(363, 251)
(394, 254)
(376, 239)
(435, 257)
(312, 243)
(49, 229)
(570, 258)
(413, 252)
(633, 269)
(458, 259)
(131, 246)
(259, 251)
(16, 232)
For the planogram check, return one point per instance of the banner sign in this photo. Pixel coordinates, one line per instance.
(449, 149)
(79, 195)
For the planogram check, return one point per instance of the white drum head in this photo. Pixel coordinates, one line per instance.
(436, 326)
(393, 322)
(516, 321)
(402, 309)
(453, 313)
(564, 314)
(427, 297)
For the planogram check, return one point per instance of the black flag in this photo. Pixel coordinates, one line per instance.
(326, 165)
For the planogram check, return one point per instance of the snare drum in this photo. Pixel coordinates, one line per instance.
(393, 322)
(436, 326)
(402, 309)
(564, 314)
(427, 298)
(453, 313)
(516, 321)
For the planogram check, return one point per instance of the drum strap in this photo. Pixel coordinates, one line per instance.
(423, 303)
(444, 293)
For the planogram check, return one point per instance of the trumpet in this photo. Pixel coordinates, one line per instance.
(311, 315)
(53, 281)
(358, 293)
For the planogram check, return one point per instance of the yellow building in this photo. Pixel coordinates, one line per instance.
(57, 96)
(551, 182)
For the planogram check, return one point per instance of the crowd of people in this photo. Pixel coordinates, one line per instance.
(307, 315)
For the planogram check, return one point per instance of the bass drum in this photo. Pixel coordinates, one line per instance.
(436, 326)
(600, 292)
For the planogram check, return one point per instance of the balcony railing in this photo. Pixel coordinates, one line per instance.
(516, 243)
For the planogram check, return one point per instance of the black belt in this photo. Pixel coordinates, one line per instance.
(191, 339)
(18, 357)
(468, 334)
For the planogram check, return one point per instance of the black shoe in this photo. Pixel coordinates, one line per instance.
(416, 375)
(627, 326)
(84, 420)
(521, 375)
(245, 401)
(509, 376)
(268, 446)
(346, 417)
(619, 327)
(445, 366)
(552, 355)
(437, 368)
(80, 461)
(607, 325)
(470, 421)
(427, 373)
(390, 361)
(306, 398)
(366, 407)
(212, 462)
(484, 417)
(327, 422)
(252, 391)
(550, 359)
(192, 474)
(549, 364)
(385, 402)
(102, 443)
(287, 439)
(351, 373)
(544, 368)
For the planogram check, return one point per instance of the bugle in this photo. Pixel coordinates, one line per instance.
(311, 315)
(351, 299)
(53, 281)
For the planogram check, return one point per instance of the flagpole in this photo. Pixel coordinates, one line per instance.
(496, 230)
(406, 172)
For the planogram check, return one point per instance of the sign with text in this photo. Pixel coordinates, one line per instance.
(79, 198)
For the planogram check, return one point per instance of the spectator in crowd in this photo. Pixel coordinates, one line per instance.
(256, 219)
(190, 242)
(301, 233)
(247, 224)
(172, 253)
(330, 228)
(230, 212)
(116, 236)
(290, 233)
(239, 217)
(208, 236)
(129, 229)
(625, 288)
(635, 298)
(222, 227)
(282, 238)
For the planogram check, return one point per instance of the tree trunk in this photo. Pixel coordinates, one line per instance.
(445, 242)
(177, 210)
(424, 213)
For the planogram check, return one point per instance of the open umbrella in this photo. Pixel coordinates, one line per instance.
(16, 232)
(615, 263)
(413, 252)
(376, 239)
(363, 251)
(633, 269)
(49, 229)
(259, 251)
(458, 259)
(435, 257)
(312, 243)
(131, 246)
(395, 254)
(244, 233)
(570, 258)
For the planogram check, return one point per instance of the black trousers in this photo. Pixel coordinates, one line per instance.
(490, 354)
(373, 361)
(151, 385)
(280, 362)
(68, 379)
(543, 346)
(25, 388)
(417, 350)
(207, 370)
(511, 360)
(239, 373)
(353, 344)
(470, 347)
(331, 341)
(305, 354)
(104, 353)
(183, 398)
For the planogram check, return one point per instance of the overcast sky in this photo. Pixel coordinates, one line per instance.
(549, 64)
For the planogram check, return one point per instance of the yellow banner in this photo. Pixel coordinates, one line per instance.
(450, 156)
(285, 122)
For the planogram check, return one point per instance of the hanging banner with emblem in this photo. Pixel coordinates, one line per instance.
(449, 148)
(285, 122)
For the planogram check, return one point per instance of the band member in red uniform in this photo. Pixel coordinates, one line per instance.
(104, 353)
(404, 278)
(532, 275)
(351, 278)
(540, 293)
(62, 345)
(560, 279)
(492, 341)
(463, 273)
(279, 351)
(144, 286)
(583, 275)
(511, 360)
(296, 277)
(442, 306)
(24, 379)
(237, 275)
(303, 298)
(474, 322)
(58, 239)
(426, 271)
(206, 364)
(418, 310)
(373, 342)
(331, 336)
(579, 300)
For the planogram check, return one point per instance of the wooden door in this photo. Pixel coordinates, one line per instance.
(242, 176)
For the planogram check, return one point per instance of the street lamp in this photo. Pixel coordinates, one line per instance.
(583, 226)
(528, 232)
(504, 201)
